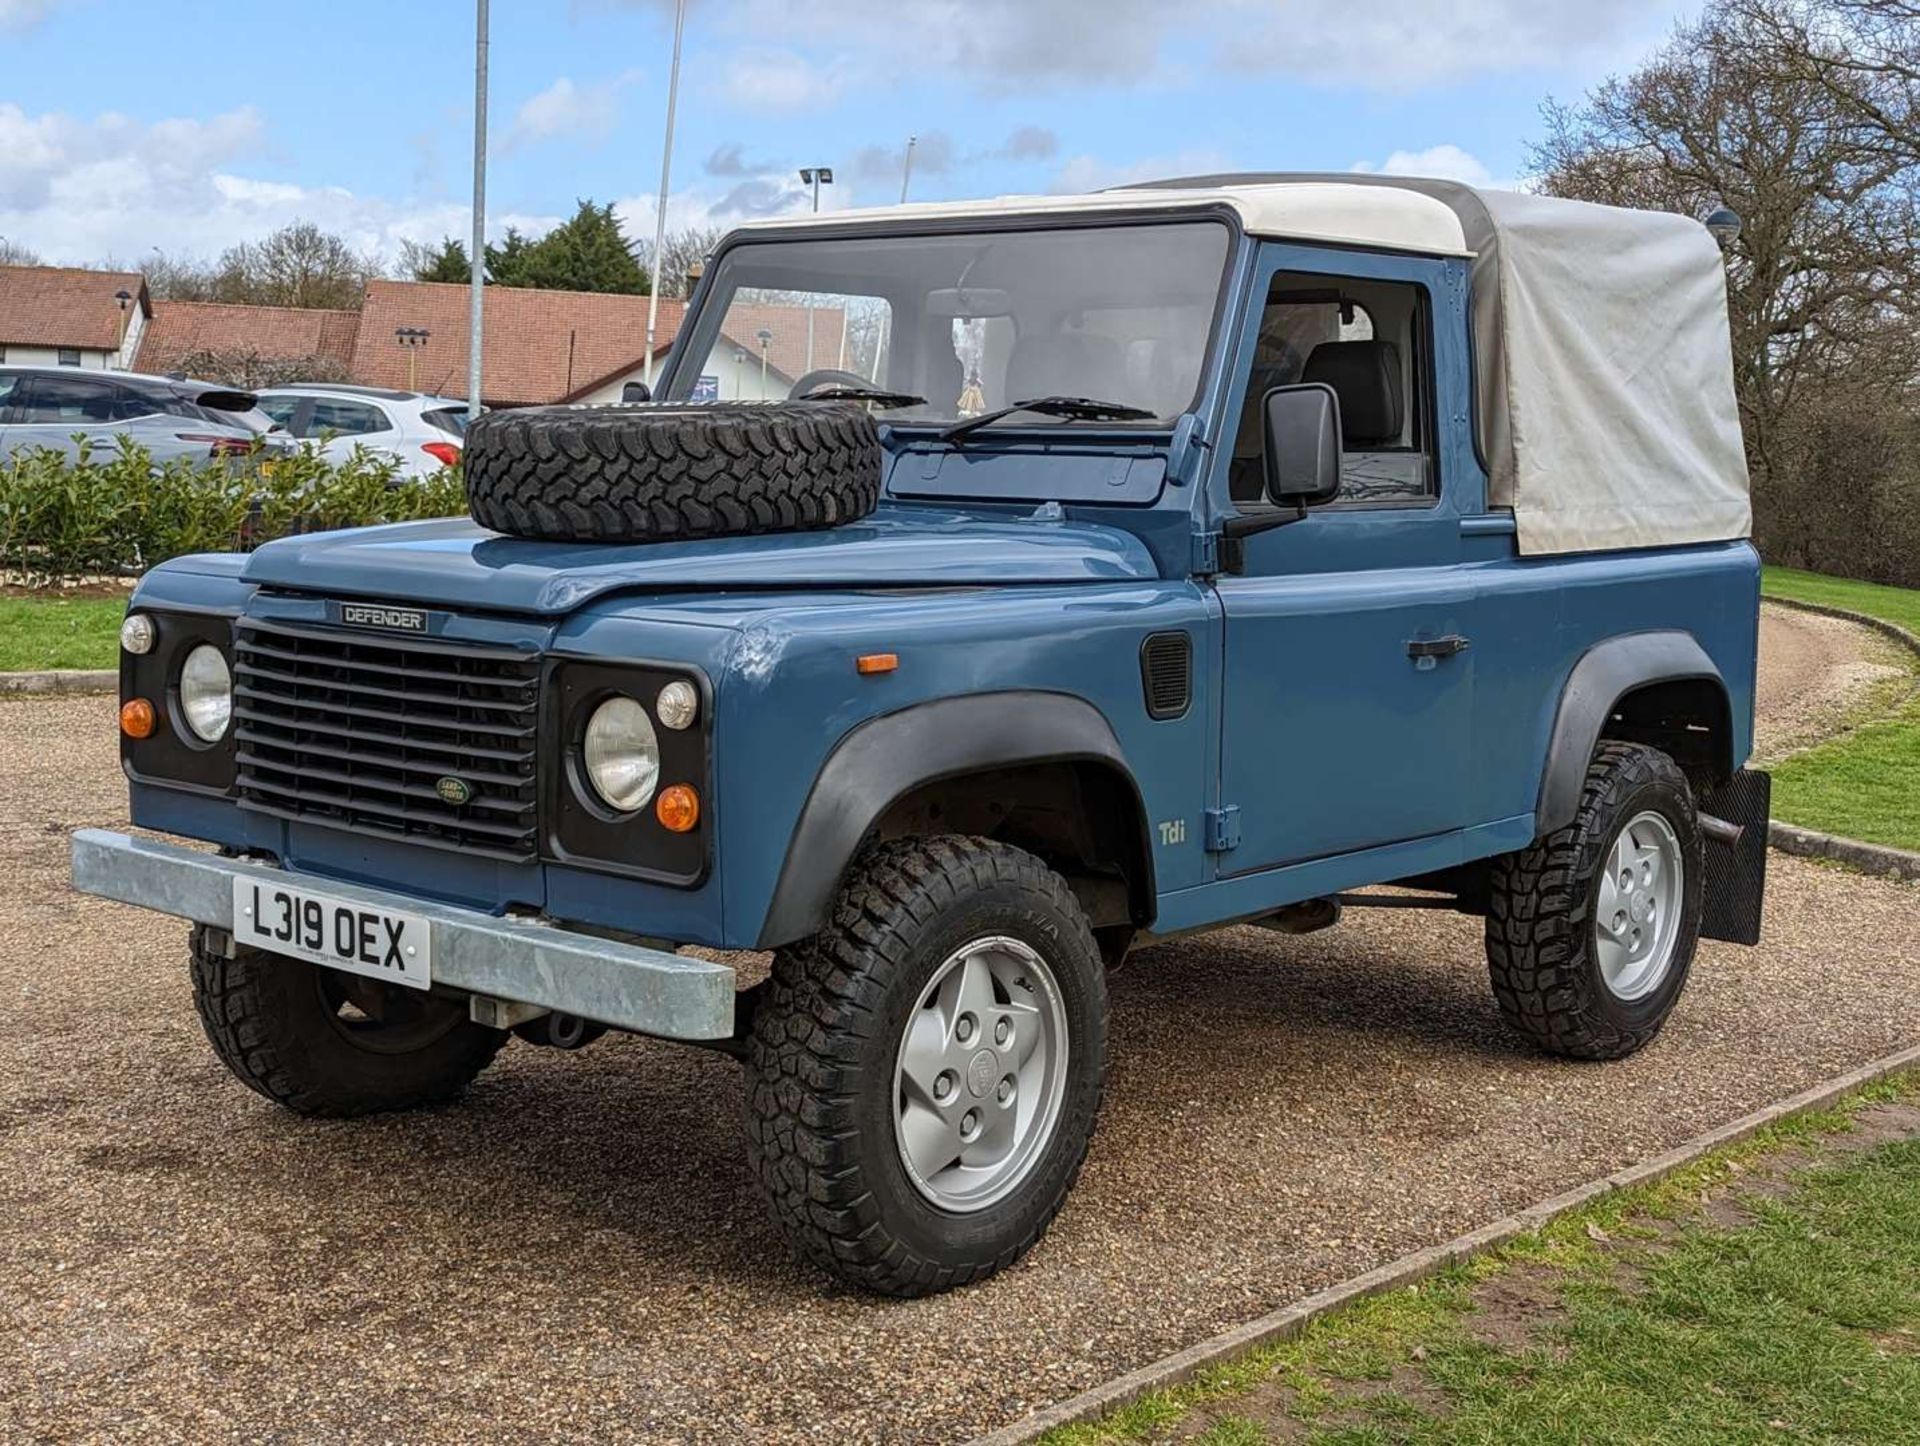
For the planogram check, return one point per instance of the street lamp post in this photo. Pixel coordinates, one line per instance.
(816, 177)
(766, 340)
(412, 338)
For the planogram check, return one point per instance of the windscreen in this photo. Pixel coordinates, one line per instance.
(968, 322)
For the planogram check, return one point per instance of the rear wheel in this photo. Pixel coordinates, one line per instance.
(1591, 931)
(322, 1042)
(925, 1073)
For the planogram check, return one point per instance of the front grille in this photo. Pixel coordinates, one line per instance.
(363, 733)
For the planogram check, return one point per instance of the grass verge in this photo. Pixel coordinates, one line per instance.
(40, 631)
(1899, 605)
(1864, 784)
(1770, 1291)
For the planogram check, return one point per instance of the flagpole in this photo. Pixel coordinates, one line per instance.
(477, 261)
(666, 172)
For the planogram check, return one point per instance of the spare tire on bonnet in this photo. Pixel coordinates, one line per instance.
(653, 473)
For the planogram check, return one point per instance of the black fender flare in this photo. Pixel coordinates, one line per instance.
(1605, 674)
(885, 758)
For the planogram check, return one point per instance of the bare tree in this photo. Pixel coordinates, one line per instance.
(685, 252)
(251, 370)
(298, 265)
(1821, 282)
(12, 253)
(1864, 54)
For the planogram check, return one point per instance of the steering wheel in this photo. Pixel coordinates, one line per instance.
(821, 376)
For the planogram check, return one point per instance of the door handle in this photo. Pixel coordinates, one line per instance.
(1424, 651)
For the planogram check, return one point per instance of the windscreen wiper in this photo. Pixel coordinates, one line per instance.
(851, 392)
(1075, 409)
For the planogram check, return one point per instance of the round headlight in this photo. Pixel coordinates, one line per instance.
(622, 754)
(677, 705)
(206, 693)
(137, 633)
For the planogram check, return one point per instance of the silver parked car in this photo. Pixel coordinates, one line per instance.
(170, 417)
(422, 433)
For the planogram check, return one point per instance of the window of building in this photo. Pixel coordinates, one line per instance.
(69, 356)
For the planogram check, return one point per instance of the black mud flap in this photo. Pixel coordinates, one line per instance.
(1736, 882)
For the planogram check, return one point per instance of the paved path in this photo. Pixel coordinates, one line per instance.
(576, 1251)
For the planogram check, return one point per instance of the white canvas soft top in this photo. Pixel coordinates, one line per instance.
(1603, 360)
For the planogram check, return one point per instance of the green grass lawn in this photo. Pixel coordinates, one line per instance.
(1866, 783)
(59, 632)
(1899, 605)
(1791, 1313)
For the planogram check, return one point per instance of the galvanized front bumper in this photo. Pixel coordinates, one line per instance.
(520, 961)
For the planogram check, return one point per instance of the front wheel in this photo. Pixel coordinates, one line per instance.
(925, 1073)
(322, 1042)
(1591, 931)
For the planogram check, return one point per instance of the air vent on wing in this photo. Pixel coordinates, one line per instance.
(1166, 673)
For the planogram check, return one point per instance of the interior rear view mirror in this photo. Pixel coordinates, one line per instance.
(1303, 444)
(961, 303)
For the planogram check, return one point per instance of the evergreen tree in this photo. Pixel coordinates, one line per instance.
(445, 262)
(589, 252)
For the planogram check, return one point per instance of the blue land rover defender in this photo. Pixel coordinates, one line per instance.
(991, 588)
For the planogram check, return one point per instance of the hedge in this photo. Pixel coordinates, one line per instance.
(119, 512)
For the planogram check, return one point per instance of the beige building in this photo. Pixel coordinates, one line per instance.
(65, 316)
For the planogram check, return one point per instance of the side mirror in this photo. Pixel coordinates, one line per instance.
(1302, 444)
(636, 392)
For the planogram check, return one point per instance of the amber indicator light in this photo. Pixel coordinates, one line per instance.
(876, 662)
(136, 718)
(677, 808)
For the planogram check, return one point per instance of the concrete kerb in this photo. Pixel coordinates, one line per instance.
(66, 680)
(1290, 1321)
(1810, 843)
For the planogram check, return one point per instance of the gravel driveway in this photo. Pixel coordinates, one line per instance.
(576, 1251)
(1818, 674)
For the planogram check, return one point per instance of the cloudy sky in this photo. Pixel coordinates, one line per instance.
(121, 131)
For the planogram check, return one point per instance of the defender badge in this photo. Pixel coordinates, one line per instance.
(381, 615)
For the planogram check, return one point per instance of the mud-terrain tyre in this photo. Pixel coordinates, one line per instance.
(657, 473)
(289, 1030)
(1589, 936)
(867, 1024)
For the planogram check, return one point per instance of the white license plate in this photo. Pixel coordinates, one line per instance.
(283, 919)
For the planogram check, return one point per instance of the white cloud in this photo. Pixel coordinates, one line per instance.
(1090, 173)
(1009, 45)
(570, 111)
(1408, 44)
(780, 81)
(19, 15)
(1442, 162)
(79, 190)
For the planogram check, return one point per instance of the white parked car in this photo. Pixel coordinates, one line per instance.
(422, 433)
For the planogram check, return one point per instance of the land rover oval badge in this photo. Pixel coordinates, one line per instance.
(455, 791)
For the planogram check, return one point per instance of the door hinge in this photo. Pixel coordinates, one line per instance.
(1206, 554)
(1223, 829)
